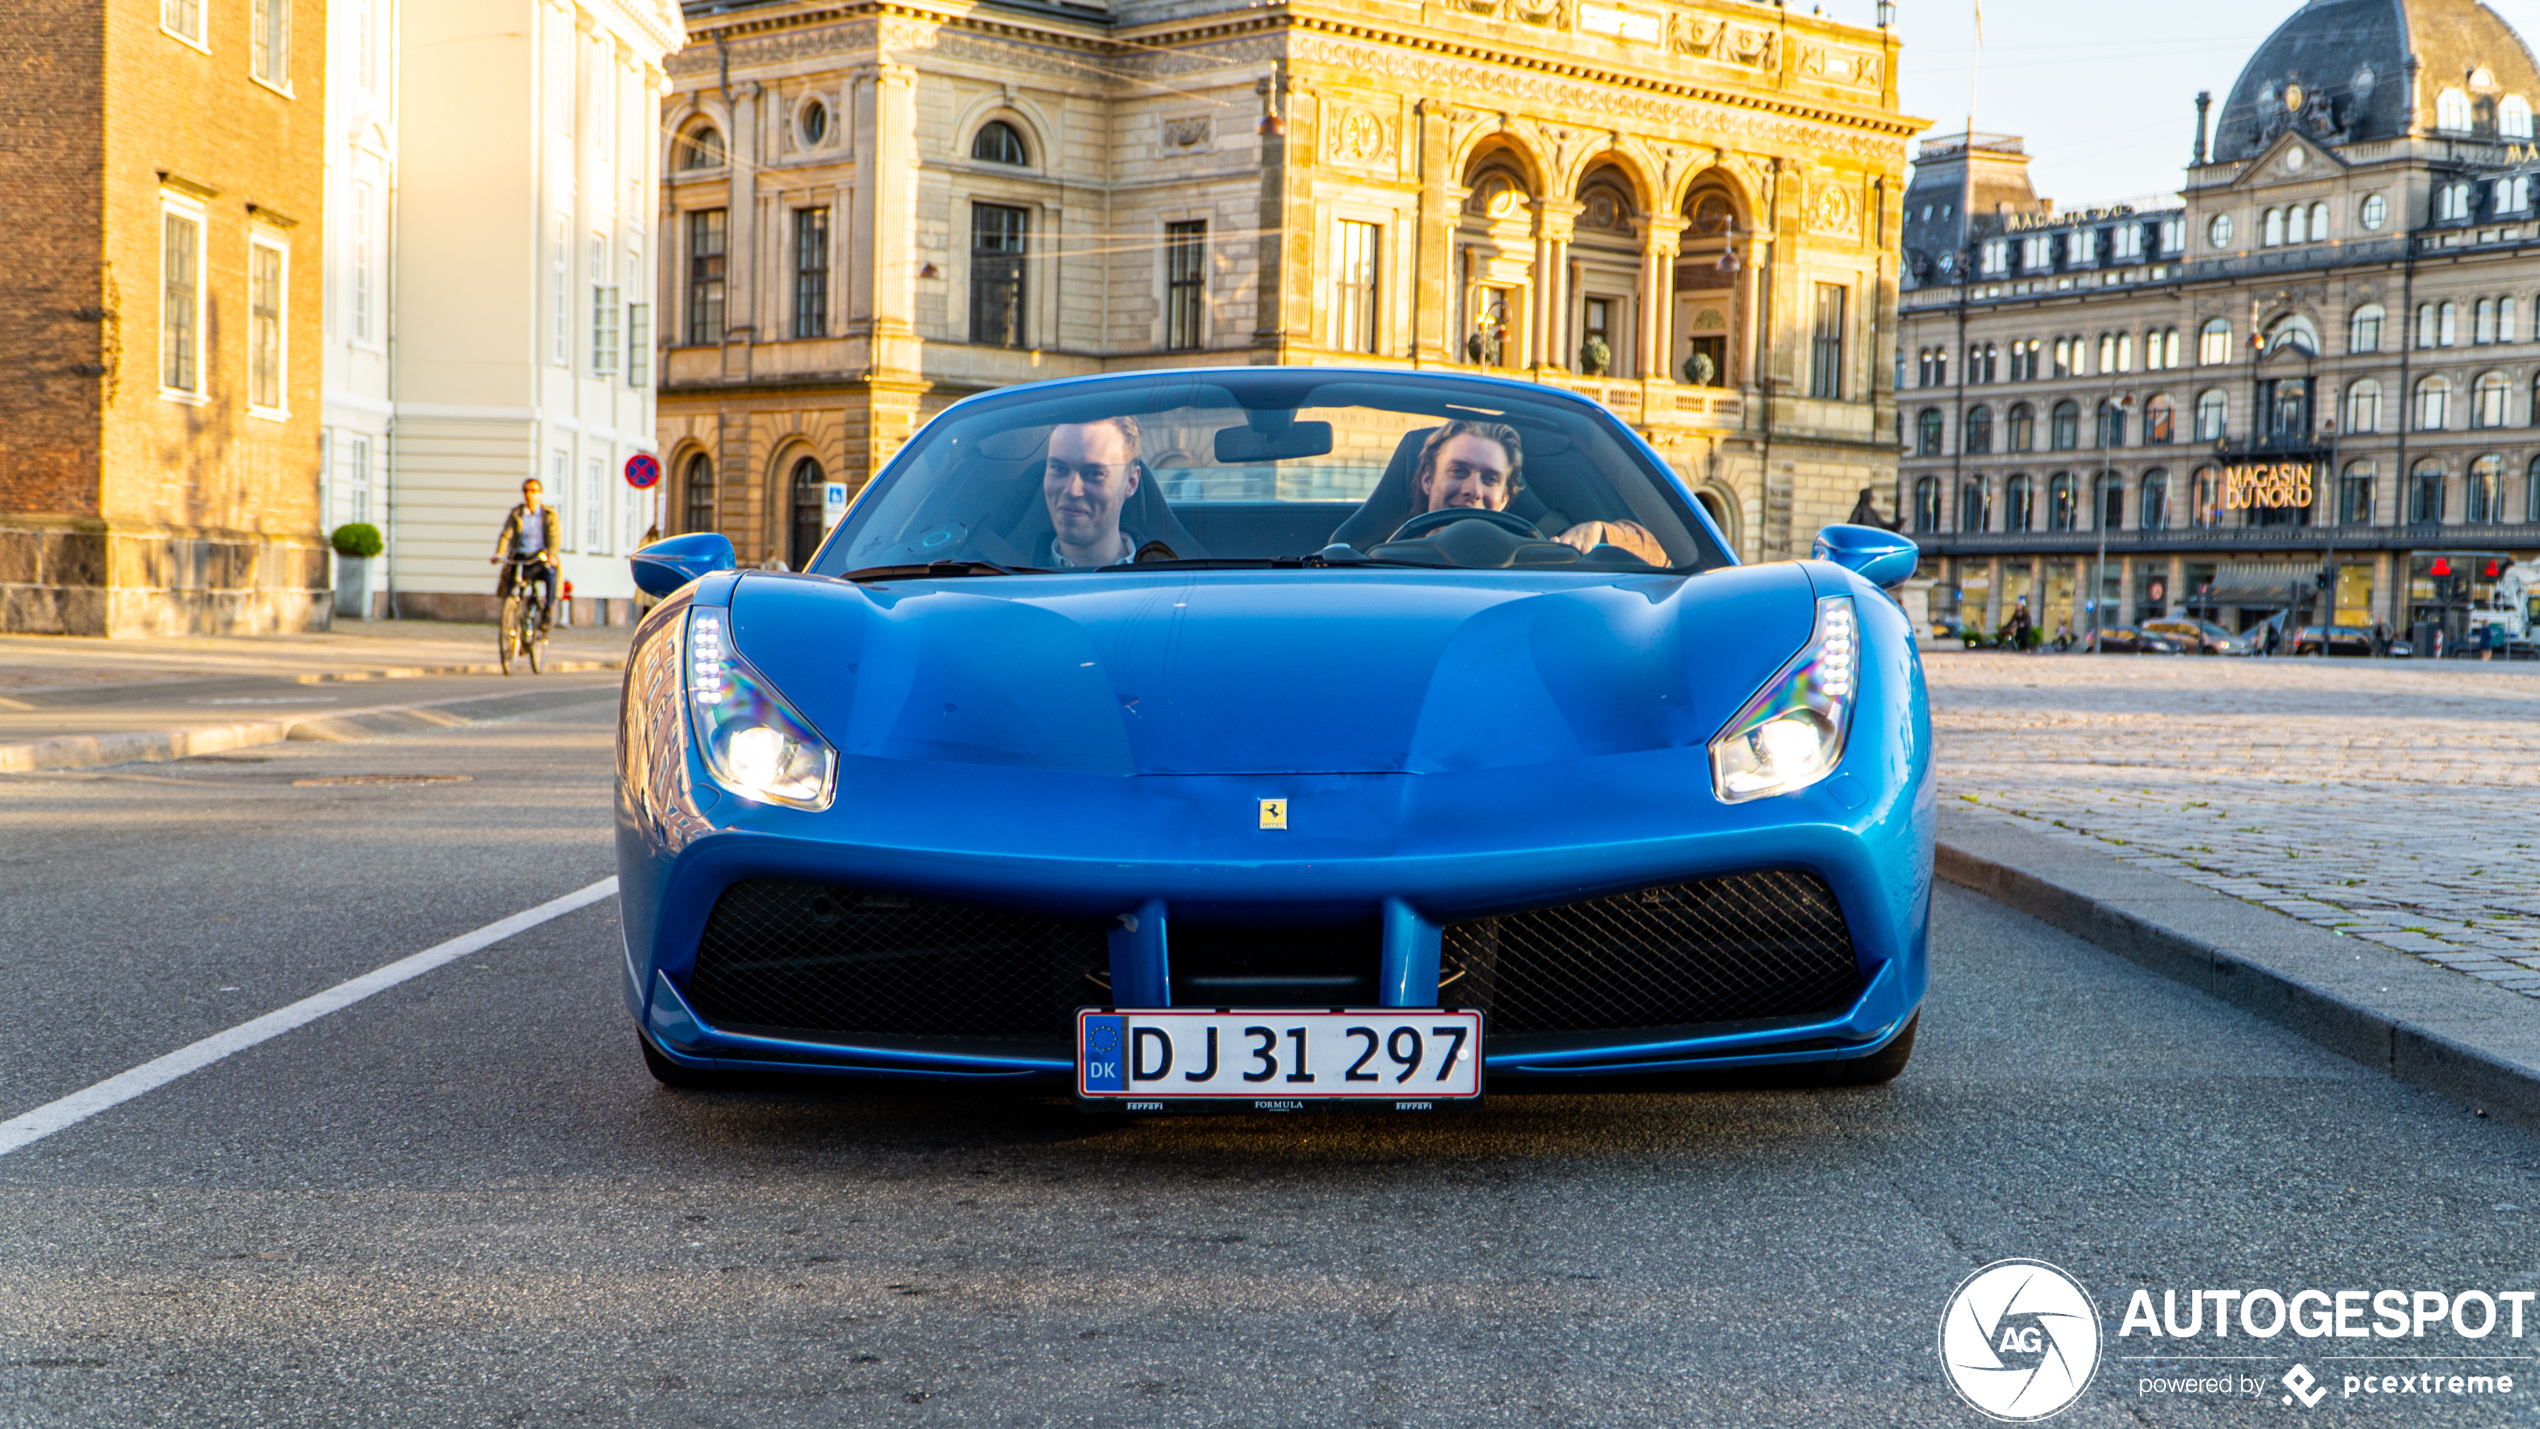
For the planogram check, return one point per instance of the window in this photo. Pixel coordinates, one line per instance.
(2037, 252)
(2173, 235)
(2447, 325)
(2126, 243)
(2483, 322)
(1972, 506)
(2063, 432)
(1994, 259)
(366, 43)
(1825, 370)
(1992, 362)
(2017, 501)
(2531, 491)
(181, 302)
(2363, 408)
(811, 272)
(1979, 431)
(2511, 195)
(2513, 117)
(183, 19)
(2213, 343)
(359, 480)
(2273, 228)
(639, 344)
(2374, 212)
(2319, 223)
(696, 486)
(2024, 360)
(2451, 202)
(269, 42)
(2354, 493)
(1927, 504)
(2434, 404)
(2285, 403)
(268, 269)
(2483, 491)
(2160, 350)
(2083, 245)
(562, 287)
(2505, 320)
(560, 491)
(998, 142)
(2451, 112)
(1354, 278)
(2111, 508)
(2206, 495)
(2064, 358)
(2062, 513)
(2425, 325)
(2152, 511)
(2111, 424)
(2218, 232)
(813, 125)
(2108, 353)
(2160, 420)
(1927, 432)
(2213, 415)
(700, 148)
(362, 323)
(2022, 429)
(2363, 329)
(705, 278)
(809, 492)
(1185, 283)
(998, 236)
(2488, 400)
(2425, 492)
(595, 506)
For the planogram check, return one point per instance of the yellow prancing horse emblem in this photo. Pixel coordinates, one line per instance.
(1274, 813)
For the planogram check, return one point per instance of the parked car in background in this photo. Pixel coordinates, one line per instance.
(2131, 640)
(2339, 639)
(2197, 637)
(2253, 641)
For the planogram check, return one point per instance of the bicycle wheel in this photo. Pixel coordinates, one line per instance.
(507, 634)
(533, 635)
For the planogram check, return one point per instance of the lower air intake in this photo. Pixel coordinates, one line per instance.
(805, 957)
(1719, 950)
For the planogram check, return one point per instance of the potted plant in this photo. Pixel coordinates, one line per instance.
(356, 543)
(1595, 356)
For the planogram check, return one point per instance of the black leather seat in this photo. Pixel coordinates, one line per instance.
(1395, 501)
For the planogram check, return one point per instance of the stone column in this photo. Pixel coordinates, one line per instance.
(1555, 221)
(1434, 295)
(1660, 235)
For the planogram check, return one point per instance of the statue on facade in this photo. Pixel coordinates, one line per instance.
(1700, 370)
(1865, 512)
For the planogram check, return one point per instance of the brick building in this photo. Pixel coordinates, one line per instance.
(1685, 210)
(159, 318)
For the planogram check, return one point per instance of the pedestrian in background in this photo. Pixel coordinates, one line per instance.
(2021, 627)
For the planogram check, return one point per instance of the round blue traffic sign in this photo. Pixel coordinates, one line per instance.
(642, 471)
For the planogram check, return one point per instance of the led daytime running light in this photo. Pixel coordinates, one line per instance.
(1792, 733)
(754, 743)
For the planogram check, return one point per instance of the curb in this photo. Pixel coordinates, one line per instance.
(91, 751)
(2467, 1041)
(425, 672)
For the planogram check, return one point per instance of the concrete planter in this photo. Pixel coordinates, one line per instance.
(352, 586)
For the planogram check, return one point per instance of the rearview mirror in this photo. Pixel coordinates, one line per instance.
(665, 566)
(1883, 558)
(1243, 446)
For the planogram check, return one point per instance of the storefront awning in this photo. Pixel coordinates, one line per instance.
(2257, 583)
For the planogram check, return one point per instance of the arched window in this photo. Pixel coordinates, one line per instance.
(2022, 436)
(1974, 511)
(2363, 408)
(2531, 492)
(2451, 202)
(696, 485)
(1979, 431)
(2425, 325)
(2483, 491)
(808, 488)
(2017, 499)
(2061, 509)
(2213, 415)
(2425, 492)
(2354, 493)
(2108, 514)
(1927, 504)
(2319, 223)
(2488, 400)
(1927, 432)
(2063, 432)
(2273, 231)
(701, 147)
(2513, 117)
(2213, 342)
(2110, 428)
(2207, 498)
(2296, 334)
(998, 142)
(2483, 322)
(2447, 325)
(2434, 404)
(2451, 112)
(2160, 420)
(2152, 509)
(2363, 329)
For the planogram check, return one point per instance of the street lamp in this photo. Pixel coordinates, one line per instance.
(2099, 514)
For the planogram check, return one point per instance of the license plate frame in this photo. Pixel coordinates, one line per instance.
(1111, 1074)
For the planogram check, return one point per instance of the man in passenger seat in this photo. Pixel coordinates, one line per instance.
(1091, 473)
(1478, 464)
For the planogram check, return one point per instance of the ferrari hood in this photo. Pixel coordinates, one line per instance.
(1239, 672)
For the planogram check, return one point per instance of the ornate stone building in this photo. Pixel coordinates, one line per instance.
(2318, 359)
(1686, 210)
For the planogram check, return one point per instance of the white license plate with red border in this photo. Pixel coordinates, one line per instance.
(1382, 1059)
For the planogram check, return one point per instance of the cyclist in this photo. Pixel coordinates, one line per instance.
(531, 535)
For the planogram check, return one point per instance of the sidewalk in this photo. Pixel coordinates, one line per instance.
(68, 703)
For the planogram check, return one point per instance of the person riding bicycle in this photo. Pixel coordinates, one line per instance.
(531, 536)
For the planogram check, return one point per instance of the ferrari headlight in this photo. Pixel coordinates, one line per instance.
(1791, 734)
(754, 743)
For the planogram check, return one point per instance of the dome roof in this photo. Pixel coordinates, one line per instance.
(2338, 71)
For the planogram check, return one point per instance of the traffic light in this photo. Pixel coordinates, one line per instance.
(2325, 578)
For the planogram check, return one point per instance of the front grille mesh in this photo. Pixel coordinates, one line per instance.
(786, 956)
(1719, 950)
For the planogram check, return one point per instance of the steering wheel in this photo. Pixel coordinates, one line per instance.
(1429, 521)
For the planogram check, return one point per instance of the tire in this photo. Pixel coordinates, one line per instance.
(687, 1079)
(1880, 1067)
(534, 635)
(507, 634)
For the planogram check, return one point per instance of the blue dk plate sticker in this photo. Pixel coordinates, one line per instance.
(1103, 1072)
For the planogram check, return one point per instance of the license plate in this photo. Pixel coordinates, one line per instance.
(1392, 1059)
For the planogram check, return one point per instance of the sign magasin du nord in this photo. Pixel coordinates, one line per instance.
(2269, 486)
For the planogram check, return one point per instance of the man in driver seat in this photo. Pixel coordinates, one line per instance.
(1091, 473)
(1479, 465)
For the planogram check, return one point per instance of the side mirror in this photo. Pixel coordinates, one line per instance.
(665, 566)
(1883, 558)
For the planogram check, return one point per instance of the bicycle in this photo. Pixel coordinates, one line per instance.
(523, 630)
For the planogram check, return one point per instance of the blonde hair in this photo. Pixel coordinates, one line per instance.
(1127, 426)
(1499, 434)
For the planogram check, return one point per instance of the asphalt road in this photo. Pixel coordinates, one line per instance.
(462, 1202)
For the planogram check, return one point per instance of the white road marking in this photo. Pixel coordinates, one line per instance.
(79, 1106)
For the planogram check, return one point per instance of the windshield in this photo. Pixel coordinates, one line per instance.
(1273, 466)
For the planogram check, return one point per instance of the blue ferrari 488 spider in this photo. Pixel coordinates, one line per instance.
(1276, 738)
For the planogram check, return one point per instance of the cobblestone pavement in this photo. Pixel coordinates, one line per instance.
(2387, 800)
